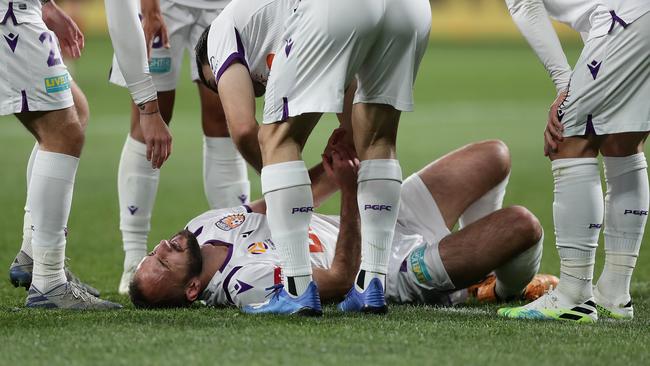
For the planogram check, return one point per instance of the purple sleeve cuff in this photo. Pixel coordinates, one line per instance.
(239, 56)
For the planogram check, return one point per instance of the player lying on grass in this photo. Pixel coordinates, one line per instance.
(226, 257)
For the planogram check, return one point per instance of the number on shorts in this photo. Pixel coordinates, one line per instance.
(52, 60)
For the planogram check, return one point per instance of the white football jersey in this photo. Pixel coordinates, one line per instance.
(253, 264)
(248, 31)
(201, 4)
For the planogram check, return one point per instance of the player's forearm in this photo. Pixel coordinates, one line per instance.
(128, 41)
(248, 144)
(533, 21)
(337, 281)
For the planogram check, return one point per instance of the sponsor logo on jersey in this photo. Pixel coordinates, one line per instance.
(231, 222)
(246, 234)
(242, 286)
(57, 83)
(258, 248)
(377, 207)
(302, 209)
(160, 65)
(595, 226)
(12, 41)
(636, 212)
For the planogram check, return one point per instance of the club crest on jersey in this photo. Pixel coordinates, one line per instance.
(231, 222)
(258, 248)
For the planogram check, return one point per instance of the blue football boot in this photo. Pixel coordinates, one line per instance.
(307, 304)
(370, 301)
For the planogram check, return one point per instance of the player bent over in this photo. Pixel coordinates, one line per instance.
(602, 107)
(43, 97)
(224, 169)
(324, 46)
(227, 257)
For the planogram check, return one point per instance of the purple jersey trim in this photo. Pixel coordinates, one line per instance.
(198, 231)
(240, 56)
(248, 208)
(285, 109)
(9, 14)
(616, 19)
(219, 243)
(226, 282)
(25, 106)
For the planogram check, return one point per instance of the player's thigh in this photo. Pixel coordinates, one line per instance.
(57, 131)
(213, 118)
(577, 147)
(623, 144)
(472, 252)
(461, 177)
(284, 141)
(81, 105)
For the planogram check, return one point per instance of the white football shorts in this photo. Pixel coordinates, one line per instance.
(328, 43)
(184, 26)
(33, 76)
(420, 227)
(609, 91)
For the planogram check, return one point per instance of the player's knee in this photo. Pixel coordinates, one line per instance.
(499, 156)
(74, 134)
(525, 224)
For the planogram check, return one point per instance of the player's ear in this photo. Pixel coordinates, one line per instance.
(193, 289)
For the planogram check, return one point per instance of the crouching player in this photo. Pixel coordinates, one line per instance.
(226, 257)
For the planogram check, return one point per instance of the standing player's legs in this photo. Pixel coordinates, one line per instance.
(374, 129)
(225, 172)
(21, 268)
(60, 137)
(287, 190)
(137, 185)
(626, 212)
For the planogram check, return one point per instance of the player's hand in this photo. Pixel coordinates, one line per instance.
(156, 134)
(335, 138)
(153, 25)
(342, 166)
(66, 30)
(554, 128)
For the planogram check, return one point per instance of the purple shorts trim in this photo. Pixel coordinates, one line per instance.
(25, 106)
(285, 109)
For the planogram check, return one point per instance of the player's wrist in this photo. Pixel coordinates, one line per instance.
(149, 108)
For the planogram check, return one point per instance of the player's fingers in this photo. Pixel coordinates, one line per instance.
(555, 134)
(327, 165)
(81, 40)
(164, 37)
(549, 140)
(149, 150)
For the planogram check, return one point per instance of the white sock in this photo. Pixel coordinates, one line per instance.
(488, 203)
(137, 185)
(578, 216)
(50, 197)
(626, 212)
(26, 245)
(225, 173)
(289, 206)
(380, 184)
(514, 276)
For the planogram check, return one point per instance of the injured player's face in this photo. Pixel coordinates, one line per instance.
(162, 277)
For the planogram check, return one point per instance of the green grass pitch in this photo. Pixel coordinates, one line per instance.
(464, 93)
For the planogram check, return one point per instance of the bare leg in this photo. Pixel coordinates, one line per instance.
(470, 254)
(461, 177)
(225, 172)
